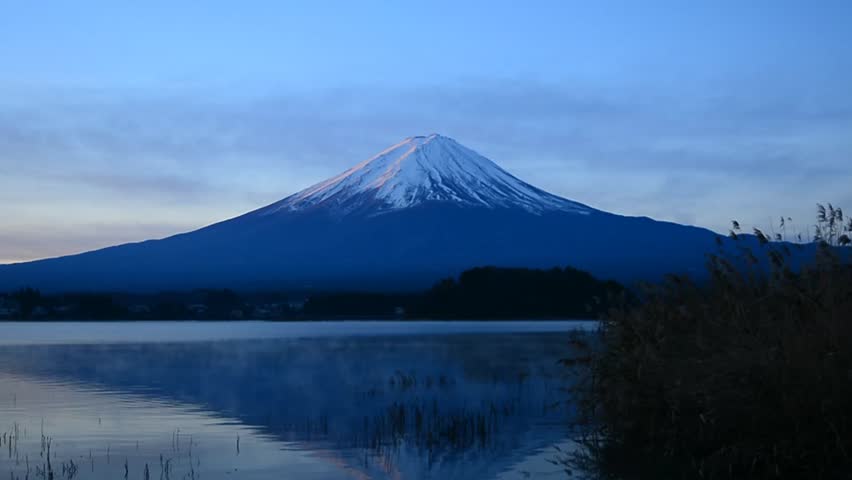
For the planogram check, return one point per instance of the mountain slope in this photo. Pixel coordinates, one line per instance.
(419, 211)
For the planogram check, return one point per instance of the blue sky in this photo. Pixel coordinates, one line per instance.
(123, 122)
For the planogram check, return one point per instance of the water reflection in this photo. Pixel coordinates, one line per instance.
(427, 406)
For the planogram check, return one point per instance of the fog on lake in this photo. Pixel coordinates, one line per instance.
(327, 400)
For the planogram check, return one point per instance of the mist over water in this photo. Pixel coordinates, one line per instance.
(325, 400)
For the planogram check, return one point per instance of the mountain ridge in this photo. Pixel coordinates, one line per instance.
(423, 209)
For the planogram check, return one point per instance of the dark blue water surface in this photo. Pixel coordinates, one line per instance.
(327, 400)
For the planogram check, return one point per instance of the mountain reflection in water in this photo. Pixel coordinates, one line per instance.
(422, 406)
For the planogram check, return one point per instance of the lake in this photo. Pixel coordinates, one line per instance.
(258, 400)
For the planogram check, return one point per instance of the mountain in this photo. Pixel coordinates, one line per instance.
(421, 210)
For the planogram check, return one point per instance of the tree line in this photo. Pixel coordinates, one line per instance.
(479, 293)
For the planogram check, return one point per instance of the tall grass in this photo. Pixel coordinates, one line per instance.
(748, 375)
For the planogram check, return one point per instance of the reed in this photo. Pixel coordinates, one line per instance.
(748, 375)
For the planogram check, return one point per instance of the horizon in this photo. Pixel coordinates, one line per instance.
(142, 122)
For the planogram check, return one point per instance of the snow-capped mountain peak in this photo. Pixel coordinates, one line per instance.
(424, 169)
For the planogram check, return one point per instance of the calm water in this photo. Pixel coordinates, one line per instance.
(325, 400)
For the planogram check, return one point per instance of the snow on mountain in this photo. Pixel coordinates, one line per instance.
(424, 169)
